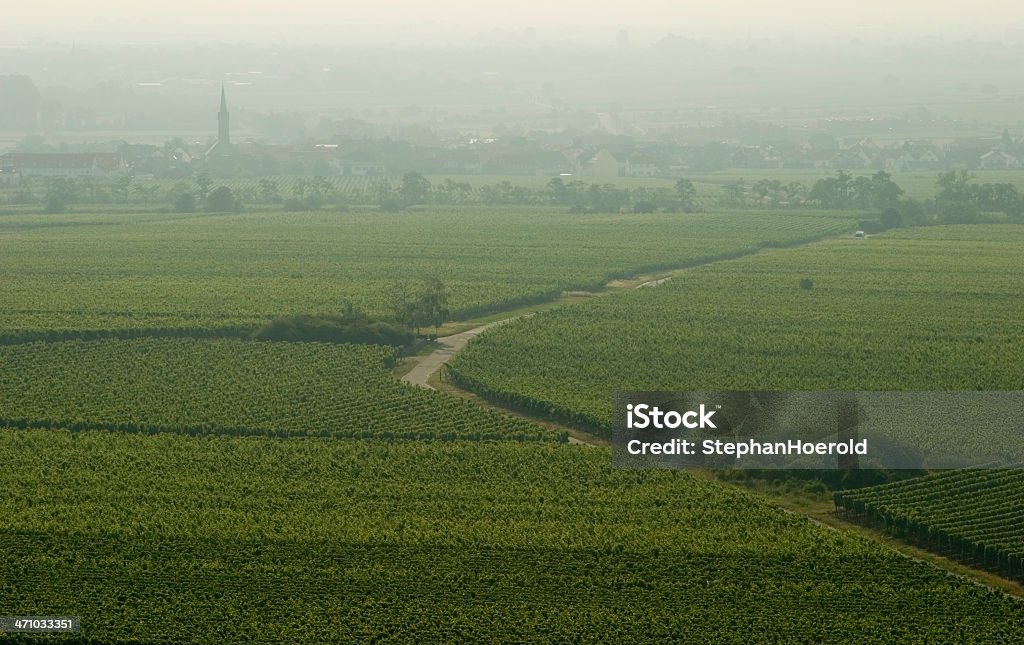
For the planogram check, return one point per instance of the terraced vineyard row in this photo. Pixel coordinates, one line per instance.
(168, 538)
(211, 272)
(974, 516)
(921, 309)
(235, 387)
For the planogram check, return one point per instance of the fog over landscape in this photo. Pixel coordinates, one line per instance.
(146, 72)
(125, 16)
(329, 322)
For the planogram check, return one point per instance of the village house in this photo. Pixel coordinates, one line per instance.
(602, 164)
(998, 160)
(643, 166)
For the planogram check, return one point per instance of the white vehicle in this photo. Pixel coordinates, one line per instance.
(859, 235)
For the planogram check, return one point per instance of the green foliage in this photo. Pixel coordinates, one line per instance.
(184, 203)
(60, 191)
(183, 198)
(687, 194)
(235, 387)
(843, 191)
(932, 308)
(203, 185)
(221, 200)
(890, 218)
(351, 326)
(268, 191)
(220, 540)
(961, 201)
(971, 515)
(424, 307)
(415, 188)
(203, 273)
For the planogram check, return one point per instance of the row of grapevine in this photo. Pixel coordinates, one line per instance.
(234, 387)
(106, 272)
(168, 538)
(974, 516)
(923, 309)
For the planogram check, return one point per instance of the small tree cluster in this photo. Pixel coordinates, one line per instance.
(425, 307)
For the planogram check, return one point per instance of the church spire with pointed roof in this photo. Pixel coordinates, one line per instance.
(223, 127)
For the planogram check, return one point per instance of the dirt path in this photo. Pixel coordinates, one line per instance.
(424, 368)
(428, 365)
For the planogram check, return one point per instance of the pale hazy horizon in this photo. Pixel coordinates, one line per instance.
(302, 20)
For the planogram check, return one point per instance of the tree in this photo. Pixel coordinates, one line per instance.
(912, 212)
(182, 198)
(415, 188)
(891, 218)
(556, 188)
(795, 191)
(122, 187)
(885, 193)
(268, 191)
(59, 192)
(954, 186)
(735, 192)
(687, 194)
(862, 192)
(453, 192)
(431, 306)
(184, 203)
(426, 308)
(203, 183)
(221, 200)
(833, 192)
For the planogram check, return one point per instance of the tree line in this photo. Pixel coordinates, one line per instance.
(959, 198)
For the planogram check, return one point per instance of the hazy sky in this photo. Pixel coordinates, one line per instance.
(128, 16)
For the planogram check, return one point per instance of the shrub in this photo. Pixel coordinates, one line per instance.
(221, 200)
(350, 327)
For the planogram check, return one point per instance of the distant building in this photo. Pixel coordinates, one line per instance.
(69, 165)
(998, 160)
(643, 166)
(854, 157)
(223, 145)
(913, 156)
(602, 164)
(9, 177)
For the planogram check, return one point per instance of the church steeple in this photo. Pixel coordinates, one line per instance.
(223, 121)
(223, 144)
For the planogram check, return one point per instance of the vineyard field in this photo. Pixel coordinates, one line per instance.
(123, 271)
(922, 309)
(235, 387)
(169, 538)
(974, 516)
